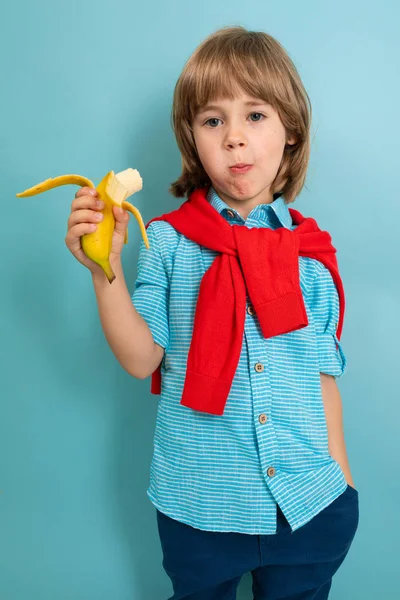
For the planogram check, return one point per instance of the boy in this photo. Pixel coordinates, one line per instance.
(237, 314)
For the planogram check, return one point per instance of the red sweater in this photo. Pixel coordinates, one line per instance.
(262, 261)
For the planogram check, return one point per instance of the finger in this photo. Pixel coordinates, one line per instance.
(121, 219)
(73, 237)
(84, 216)
(86, 191)
(87, 202)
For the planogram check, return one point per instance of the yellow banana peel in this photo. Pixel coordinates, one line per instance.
(113, 189)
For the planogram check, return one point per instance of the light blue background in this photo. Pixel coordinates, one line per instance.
(87, 87)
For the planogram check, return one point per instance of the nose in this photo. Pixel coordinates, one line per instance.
(231, 144)
(235, 138)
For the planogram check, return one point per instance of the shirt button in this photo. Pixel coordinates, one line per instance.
(250, 310)
(262, 418)
(270, 471)
(230, 213)
(259, 367)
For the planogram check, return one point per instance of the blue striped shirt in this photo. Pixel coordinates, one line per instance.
(228, 472)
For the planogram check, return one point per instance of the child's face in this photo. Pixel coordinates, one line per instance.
(233, 132)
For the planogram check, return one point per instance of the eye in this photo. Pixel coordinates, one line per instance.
(212, 119)
(259, 114)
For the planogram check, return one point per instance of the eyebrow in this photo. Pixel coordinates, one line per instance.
(216, 107)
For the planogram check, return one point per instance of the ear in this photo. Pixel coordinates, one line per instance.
(291, 140)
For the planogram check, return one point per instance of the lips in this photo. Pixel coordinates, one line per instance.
(240, 168)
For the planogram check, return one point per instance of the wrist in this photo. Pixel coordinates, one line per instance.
(100, 278)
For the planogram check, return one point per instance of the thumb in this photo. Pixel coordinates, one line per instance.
(121, 219)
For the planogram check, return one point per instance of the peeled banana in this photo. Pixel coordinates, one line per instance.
(113, 189)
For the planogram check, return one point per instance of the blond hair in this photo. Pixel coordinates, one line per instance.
(231, 60)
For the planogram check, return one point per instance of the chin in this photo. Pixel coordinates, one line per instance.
(244, 190)
(237, 188)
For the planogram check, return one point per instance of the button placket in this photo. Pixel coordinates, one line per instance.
(260, 387)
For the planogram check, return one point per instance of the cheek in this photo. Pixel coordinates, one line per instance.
(201, 147)
(271, 147)
(209, 154)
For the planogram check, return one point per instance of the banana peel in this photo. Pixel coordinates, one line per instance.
(113, 189)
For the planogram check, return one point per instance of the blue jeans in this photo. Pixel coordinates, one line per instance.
(208, 565)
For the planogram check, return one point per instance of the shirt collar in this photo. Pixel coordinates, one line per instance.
(278, 210)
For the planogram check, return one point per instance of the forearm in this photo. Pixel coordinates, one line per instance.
(126, 331)
(334, 420)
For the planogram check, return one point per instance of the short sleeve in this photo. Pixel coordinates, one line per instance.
(323, 301)
(151, 293)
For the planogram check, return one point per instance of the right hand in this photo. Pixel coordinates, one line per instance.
(84, 218)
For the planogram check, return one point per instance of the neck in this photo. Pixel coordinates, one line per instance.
(245, 205)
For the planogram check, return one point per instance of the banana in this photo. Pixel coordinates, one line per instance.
(113, 189)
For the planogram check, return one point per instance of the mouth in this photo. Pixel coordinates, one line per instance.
(240, 168)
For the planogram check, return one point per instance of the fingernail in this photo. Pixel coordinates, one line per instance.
(99, 203)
